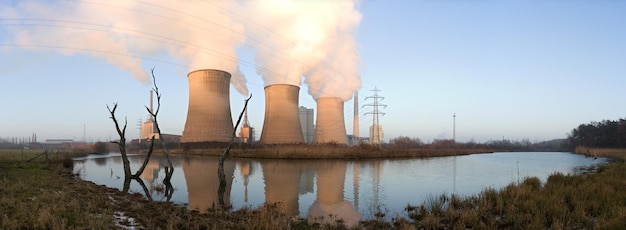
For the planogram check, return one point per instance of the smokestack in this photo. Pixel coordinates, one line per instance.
(330, 126)
(151, 111)
(355, 124)
(208, 117)
(282, 118)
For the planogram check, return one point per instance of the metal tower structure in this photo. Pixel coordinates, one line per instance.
(376, 134)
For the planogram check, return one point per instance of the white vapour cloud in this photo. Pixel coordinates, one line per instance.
(310, 39)
(199, 33)
(294, 40)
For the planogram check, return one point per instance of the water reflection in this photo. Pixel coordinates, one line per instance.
(282, 180)
(351, 190)
(330, 204)
(203, 182)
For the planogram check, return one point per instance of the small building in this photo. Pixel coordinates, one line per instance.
(307, 124)
(60, 144)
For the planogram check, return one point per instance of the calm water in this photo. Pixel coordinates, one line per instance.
(351, 189)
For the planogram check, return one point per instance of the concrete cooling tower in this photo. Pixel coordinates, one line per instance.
(209, 121)
(282, 118)
(330, 126)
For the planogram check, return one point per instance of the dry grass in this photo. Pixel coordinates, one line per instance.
(594, 201)
(330, 152)
(601, 152)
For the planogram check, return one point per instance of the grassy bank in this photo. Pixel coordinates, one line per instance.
(44, 195)
(619, 154)
(330, 152)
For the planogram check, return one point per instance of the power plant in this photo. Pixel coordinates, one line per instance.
(330, 126)
(282, 121)
(209, 120)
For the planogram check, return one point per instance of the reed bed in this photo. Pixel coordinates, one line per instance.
(594, 201)
(618, 154)
(330, 152)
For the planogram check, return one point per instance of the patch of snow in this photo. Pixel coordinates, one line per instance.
(125, 222)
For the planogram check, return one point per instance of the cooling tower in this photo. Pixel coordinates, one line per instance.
(282, 118)
(330, 126)
(209, 120)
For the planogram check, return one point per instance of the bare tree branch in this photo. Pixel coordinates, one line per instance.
(232, 137)
(220, 170)
(146, 160)
(170, 169)
(122, 142)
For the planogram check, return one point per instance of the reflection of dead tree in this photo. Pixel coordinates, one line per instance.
(169, 170)
(121, 143)
(220, 169)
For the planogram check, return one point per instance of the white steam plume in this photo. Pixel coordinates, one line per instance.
(201, 34)
(311, 39)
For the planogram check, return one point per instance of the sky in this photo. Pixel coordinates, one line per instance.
(507, 69)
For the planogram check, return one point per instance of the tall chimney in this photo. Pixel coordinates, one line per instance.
(282, 119)
(209, 118)
(330, 126)
(355, 125)
(151, 111)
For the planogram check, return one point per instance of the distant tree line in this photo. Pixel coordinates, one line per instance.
(404, 142)
(603, 134)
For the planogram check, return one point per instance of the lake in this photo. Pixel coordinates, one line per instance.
(351, 189)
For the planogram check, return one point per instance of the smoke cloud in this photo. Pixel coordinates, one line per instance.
(310, 39)
(294, 40)
(201, 34)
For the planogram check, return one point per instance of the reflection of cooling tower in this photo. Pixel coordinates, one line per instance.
(203, 182)
(208, 117)
(330, 126)
(282, 119)
(281, 184)
(330, 204)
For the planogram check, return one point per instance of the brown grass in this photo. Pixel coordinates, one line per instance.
(601, 152)
(330, 152)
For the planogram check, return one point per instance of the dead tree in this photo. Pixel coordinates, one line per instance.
(169, 170)
(121, 143)
(220, 169)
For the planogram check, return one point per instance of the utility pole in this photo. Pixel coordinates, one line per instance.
(454, 127)
(376, 135)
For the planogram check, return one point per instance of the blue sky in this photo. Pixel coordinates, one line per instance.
(514, 69)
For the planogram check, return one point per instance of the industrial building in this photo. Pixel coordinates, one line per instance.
(246, 133)
(307, 121)
(330, 126)
(209, 120)
(282, 121)
(376, 134)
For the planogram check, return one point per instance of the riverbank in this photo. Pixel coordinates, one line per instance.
(43, 194)
(328, 152)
